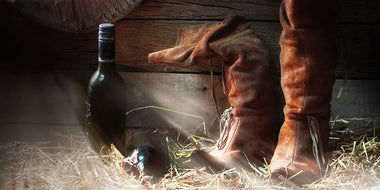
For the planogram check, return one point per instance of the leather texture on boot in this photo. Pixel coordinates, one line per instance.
(250, 77)
(308, 58)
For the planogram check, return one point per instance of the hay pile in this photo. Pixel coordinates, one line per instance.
(355, 164)
(41, 166)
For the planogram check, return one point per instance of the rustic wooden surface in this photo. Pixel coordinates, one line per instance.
(37, 102)
(191, 93)
(134, 46)
(257, 10)
(359, 26)
(52, 93)
(153, 26)
(186, 93)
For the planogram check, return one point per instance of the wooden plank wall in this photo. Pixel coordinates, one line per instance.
(153, 26)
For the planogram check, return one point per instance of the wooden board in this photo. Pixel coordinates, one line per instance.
(359, 102)
(136, 39)
(40, 97)
(255, 10)
(191, 93)
(68, 51)
(183, 94)
(40, 47)
(360, 99)
(37, 102)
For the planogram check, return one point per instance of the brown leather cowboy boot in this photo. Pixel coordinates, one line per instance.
(308, 58)
(251, 125)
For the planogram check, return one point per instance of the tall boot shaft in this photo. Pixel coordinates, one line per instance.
(250, 77)
(308, 58)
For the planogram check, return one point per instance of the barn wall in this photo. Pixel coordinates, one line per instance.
(153, 26)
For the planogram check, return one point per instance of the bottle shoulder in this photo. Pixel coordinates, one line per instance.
(94, 77)
(107, 77)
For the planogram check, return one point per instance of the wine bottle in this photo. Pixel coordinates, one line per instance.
(106, 99)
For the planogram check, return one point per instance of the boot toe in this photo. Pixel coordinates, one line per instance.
(295, 174)
(200, 158)
(218, 161)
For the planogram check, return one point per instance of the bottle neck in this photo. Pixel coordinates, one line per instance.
(106, 66)
(106, 46)
(106, 50)
(106, 55)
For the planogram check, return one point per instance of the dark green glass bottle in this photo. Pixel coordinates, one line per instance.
(106, 100)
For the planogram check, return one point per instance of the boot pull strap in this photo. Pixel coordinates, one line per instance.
(224, 128)
(317, 142)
